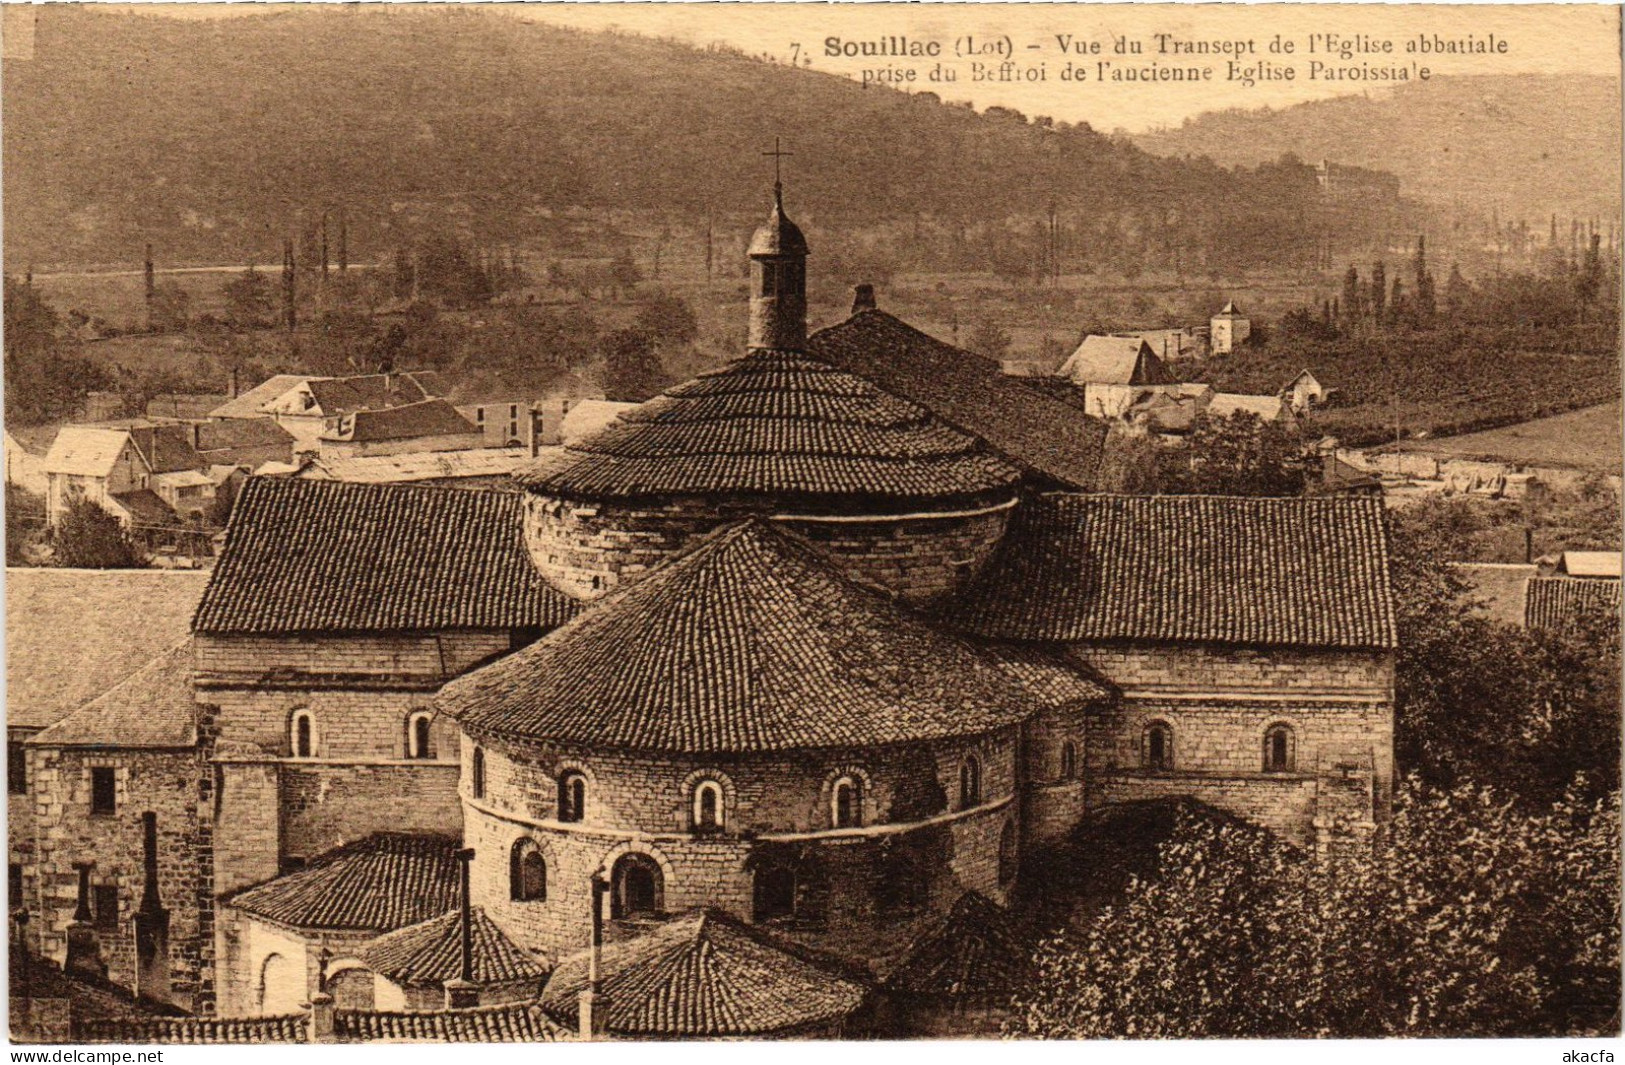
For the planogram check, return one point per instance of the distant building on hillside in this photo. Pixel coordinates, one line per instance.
(1115, 372)
(429, 425)
(1228, 329)
(1305, 392)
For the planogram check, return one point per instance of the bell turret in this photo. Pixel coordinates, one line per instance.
(778, 280)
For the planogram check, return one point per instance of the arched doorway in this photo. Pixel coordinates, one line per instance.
(636, 887)
(282, 986)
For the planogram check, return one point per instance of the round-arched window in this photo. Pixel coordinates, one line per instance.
(302, 734)
(708, 815)
(1159, 745)
(572, 796)
(970, 782)
(1069, 760)
(527, 872)
(419, 742)
(846, 803)
(1278, 752)
(476, 773)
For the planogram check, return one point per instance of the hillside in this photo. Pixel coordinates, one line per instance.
(212, 138)
(1525, 146)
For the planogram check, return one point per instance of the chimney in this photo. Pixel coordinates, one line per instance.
(590, 1003)
(863, 299)
(461, 992)
(84, 954)
(232, 386)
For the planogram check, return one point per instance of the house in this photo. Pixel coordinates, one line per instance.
(306, 406)
(1169, 344)
(1228, 329)
(428, 425)
(1115, 372)
(1596, 565)
(1305, 393)
(1268, 409)
(588, 416)
(24, 467)
(181, 406)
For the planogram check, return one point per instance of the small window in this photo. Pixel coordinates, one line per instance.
(527, 873)
(302, 734)
(572, 797)
(479, 415)
(1009, 858)
(1278, 749)
(103, 791)
(106, 899)
(707, 805)
(1159, 746)
(846, 803)
(419, 742)
(970, 782)
(14, 886)
(476, 773)
(770, 279)
(513, 411)
(1069, 760)
(16, 768)
(773, 893)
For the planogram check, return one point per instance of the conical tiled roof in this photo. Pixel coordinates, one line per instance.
(752, 642)
(775, 423)
(780, 236)
(704, 975)
(431, 952)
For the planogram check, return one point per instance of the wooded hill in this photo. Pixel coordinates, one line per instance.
(1520, 146)
(208, 138)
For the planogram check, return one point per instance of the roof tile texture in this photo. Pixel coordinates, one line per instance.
(429, 954)
(383, 882)
(310, 556)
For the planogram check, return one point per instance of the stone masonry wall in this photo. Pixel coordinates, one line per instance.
(1218, 703)
(324, 806)
(160, 782)
(585, 549)
(1053, 801)
(776, 809)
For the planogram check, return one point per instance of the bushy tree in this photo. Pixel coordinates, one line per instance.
(250, 300)
(667, 319)
(25, 522)
(632, 368)
(88, 537)
(1239, 454)
(45, 379)
(1469, 917)
(988, 339)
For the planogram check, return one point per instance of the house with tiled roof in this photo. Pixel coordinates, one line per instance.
(428, 425)
(1115, 372)
(749, 690)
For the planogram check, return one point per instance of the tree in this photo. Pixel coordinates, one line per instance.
(250, 300)
(667, 319)
(632, 369)
(25, 521)
(624, 272)
(988, 339)
(1379, 293)
(1351, 297)
(1469, 917)
(1239, 454)
(1426, 301)
(88, 537)
(45, 381)
(170, 309)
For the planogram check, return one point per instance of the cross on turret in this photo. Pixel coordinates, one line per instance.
(778, 184)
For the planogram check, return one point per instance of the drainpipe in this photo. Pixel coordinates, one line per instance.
(462, 993)
(590, 1003)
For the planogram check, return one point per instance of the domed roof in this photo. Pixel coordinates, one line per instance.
(775, 423)
(780, 236)
(751, 643)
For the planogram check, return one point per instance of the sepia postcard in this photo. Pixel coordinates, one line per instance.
(655, 522)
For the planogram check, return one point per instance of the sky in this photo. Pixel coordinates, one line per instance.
(1580, 38)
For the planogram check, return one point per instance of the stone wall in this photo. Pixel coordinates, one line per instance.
(1053, 800)
(163, 782)
(862, 892)
(586, 549)
(1218, 703)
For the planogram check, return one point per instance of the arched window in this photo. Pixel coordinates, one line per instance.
(527, 873)
(636, 886)
(572, 796)
(846, 803)
(1159, 745)
(773, 893)
(970, 782)
(1009, 859)
(1069, 760)
(418, 741)
(476, 773)
(302, 734)
(1278, 752)
(708, 805)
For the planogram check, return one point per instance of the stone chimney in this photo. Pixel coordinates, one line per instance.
(321, 1018)
(863, 299)
(461, 991)
(590, 1002)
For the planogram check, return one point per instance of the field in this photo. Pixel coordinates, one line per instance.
(1589, 438)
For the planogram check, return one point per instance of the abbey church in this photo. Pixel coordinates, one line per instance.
(791, 659)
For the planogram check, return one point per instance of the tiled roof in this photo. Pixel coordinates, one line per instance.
(195, 1030)
(84, 451)
(1110, 360)
(1029, 427)
(1047, 678)
(519, 1022)
(1571, 605)
(429, 954)
(306, 556)
(485, 462)
(775, 423)
(431, 417)
(1303, 572)
(145, 507)
(377, 884)
(248, 404)
(704, 975)
(1224, 404)
(241, 432)
(590, 416)
(751, 642)
(167, 448)
(978, 949)
(1591, 563)
(153, 707)
(71, 634)
(346, 395)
